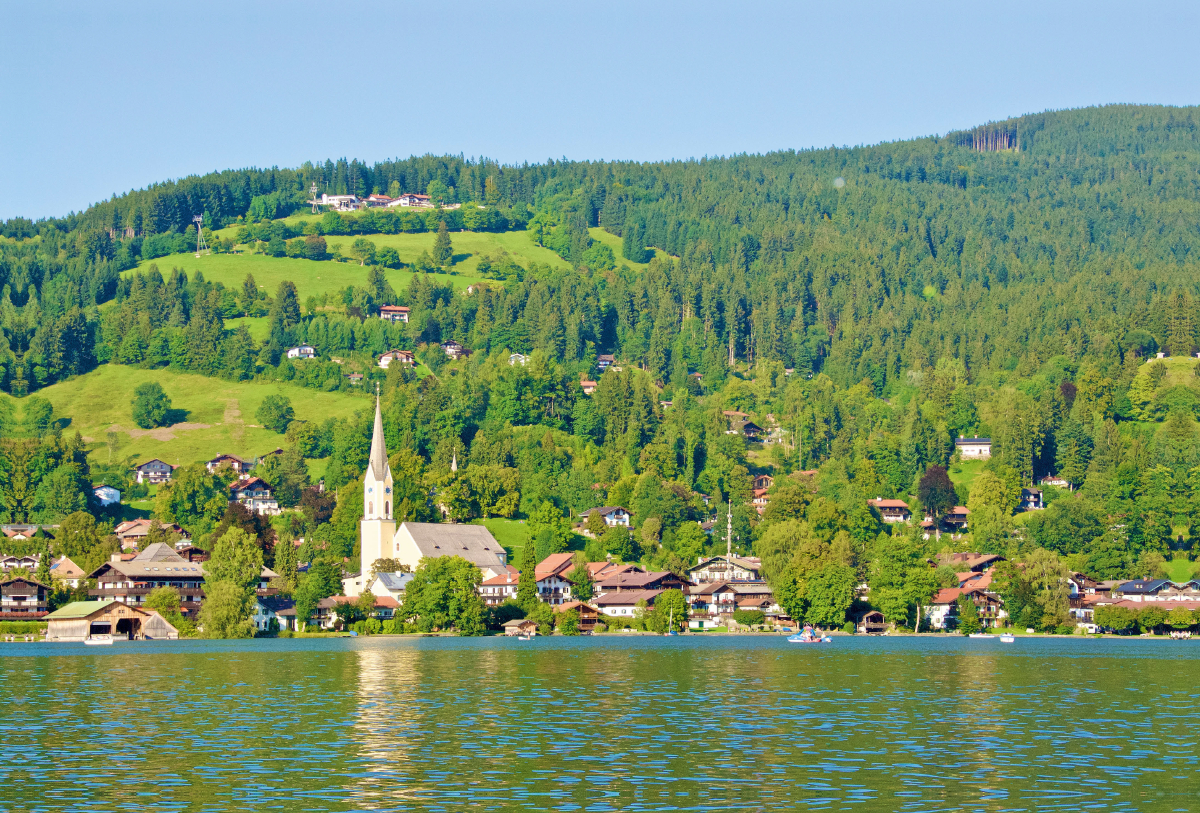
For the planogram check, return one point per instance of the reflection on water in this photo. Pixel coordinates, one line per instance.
(607, 724)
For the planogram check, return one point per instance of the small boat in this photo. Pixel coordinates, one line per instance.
(524, 637)
(98, 640)
(809, 636)
(981, 635)
(1007, 639)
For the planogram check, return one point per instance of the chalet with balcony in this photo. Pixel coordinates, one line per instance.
(634, 582)
(454, 351)
(130, 581)
(589, 616)
(153, 472)
(304, 351)
(611, 514)
(624, 604)
(23, 599)
(1031, 500)
(402, 357)
(236, 463)
(255, 496)
(723, 568)
(891, 510)
(393, 313)
(133, 532)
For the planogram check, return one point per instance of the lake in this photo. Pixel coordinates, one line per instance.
(716, 723)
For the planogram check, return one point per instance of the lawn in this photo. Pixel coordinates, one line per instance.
(964, 473)
(512, 534)
(1180, 370)
(219, 414)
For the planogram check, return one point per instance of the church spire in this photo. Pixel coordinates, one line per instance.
(377, 466)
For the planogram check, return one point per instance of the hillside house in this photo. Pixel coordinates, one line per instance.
(599, 571)
(974, 562)
(153, 472)
(517, 358)
(454, 351)
(255, 495)
(751, 431)
(1056, 480)
(760, 499)
(723, 568)
(763, 481)
(67, 572)
(588, 386)
(1031, 500)
(942, 611)
(402, 357)
(973, 448)
(134, 531)
(612, 515)
(624, 604)
(340, 203)
(236, 463)
(393, 313)
(374, 201)
(412, 199)
(106, 495)
(891, 510)
(355, 379)
(304, 351)
(23, 599)
(604, 361)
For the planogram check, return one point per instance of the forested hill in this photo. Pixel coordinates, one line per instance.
(1063, 232)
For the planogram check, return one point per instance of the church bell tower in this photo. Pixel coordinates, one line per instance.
(377, 527)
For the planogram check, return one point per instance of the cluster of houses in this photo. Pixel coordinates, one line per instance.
(254, 493)
(350, 203)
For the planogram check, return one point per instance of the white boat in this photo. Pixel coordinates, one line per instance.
(981, 635)
(524, 637)
(1007, 639)
(98, 640)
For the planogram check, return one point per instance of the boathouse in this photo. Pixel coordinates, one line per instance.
(80, 620)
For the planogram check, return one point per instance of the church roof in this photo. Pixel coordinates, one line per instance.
(377, 465)
(472, 542)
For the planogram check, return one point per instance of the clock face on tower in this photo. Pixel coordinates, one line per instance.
(387, 490)
(371, 490)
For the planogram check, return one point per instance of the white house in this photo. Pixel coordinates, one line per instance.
(725, 569)
(304, 351)
(255, 495)
(106, 495)
(341, 203)
(393, 313)
(411, 199)
(500, 588)
(390, 584)
(624, 603)
(405, 357)
(280, 609)
(612, 514)
(942, 608)
(517, 358)
(973, 448)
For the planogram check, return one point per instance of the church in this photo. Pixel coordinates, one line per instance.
(412, 541)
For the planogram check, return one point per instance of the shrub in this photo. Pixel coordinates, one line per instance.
(849, 628)
(749, 618)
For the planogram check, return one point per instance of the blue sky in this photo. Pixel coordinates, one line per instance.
(102, 98)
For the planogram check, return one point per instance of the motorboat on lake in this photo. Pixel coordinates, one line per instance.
(1007, 639)
(981, 635)
(809, 636)
(98, 640)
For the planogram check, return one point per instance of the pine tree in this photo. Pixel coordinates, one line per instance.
(527, 595)
(443, 251)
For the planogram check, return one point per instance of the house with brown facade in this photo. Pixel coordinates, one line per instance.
(23, 599)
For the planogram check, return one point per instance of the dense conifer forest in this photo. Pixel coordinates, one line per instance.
(864, 306)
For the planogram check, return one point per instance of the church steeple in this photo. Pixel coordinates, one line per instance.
(377, 482)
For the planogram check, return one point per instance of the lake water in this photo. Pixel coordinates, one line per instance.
(604, 724)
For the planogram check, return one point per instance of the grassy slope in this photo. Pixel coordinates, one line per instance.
(964, 473)
(1181, 570)
(101, 399)
(1180, 370)
(512, 534)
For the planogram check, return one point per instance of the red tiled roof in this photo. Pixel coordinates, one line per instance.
(880, 503)
(947, 595)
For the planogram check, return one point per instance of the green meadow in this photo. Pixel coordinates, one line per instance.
(216, 416)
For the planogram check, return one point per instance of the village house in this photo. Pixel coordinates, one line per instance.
(1031, 500)
(23, 599)
(133, 532)
(500, 588)
(751, 431)
(517, 358)
(891, 510)
(712, 601)
(67, 572)
(280, 609)
(973, 448)
(639, 582)
(378, 200)
(81, 620)
(130, 581)
(454, 351)
(236, 463)
(390, 584)
(599, 571)
(154, 472)
(1145, 590)
(604, 361)
(624, 604)
(726, 569)
(760, 499)
(304, 351)
(988, 603)
(255, 495)
(763, 481)
(355, 379)
(589, 616)
(1055, 480)
(412, 199)
(106, 495)
(974, 562)
(404, 357)
(587, 386)
(22, 532)
(553, 586)
(942, 611)
(393, 313)
(611, 514)
(340, 203)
